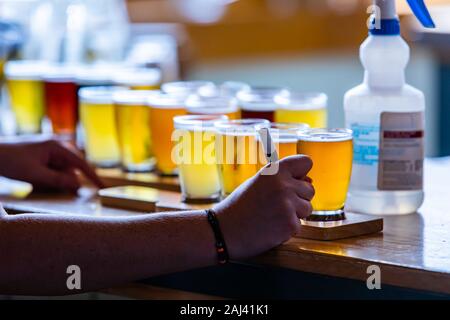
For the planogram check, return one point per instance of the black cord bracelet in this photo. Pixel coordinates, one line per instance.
(221, 248)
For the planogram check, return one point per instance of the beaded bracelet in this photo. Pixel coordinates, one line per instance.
(221, 248)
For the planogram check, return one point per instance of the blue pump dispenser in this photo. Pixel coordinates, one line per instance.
(389, 23)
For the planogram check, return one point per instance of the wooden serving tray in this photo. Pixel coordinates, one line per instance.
(145, 199)
(153, 200)
(117, 177)
(354, 225)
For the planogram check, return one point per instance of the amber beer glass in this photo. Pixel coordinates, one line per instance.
(194, 153)
(331, 152)
(163, 108)
(237, 151)
(285, 137)
(133, 129)
(214, 105)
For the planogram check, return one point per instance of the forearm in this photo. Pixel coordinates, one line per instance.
(35, 250)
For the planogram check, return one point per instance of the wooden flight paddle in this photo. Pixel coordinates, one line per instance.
(353, 225)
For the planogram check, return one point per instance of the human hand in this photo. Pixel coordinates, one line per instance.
(48, 165)
(265, 210)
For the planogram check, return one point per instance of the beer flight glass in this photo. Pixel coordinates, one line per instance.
(194, 152)
(258, 102)
(331, 151)
(132, 116)
(185, 88)
(138, 78)
(214, 105)
(61, 100)
(237, 153)
(225, 89)
(98, 120)
(284, 137)
(163, 108)
(302, 107)
(26, 94)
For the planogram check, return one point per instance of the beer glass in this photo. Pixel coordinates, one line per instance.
(26, 93)
(237, 151)
(285, 137)
(194, 153)
(61, 100)
(331, 151)
(227, 88)
(309, 108)
(185, 88)
(163, 108)
(98, 121)
(214, 105)
(258, 102)
(91, 75)
(138, 78)
(231, 88)
(133, 129)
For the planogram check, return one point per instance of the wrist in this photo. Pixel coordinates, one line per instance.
(220, 243)
(230, 230)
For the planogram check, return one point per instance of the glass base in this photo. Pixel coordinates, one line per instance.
(139, 168)
(166, 174)
(332, 215)
(105, 164)
(212, 199)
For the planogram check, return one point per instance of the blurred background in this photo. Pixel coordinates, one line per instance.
(307, 45)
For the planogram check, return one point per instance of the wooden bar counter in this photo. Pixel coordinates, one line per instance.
(413, 251)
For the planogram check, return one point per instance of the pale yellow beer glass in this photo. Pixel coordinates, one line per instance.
(26, 93)
(98, 121)
(299, 107)
(133, 129)
(331, 151)
(237, 153)
(194, 153)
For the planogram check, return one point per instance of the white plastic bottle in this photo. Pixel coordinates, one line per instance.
(387, 119)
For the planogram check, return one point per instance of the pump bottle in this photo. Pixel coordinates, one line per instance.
(387, 119)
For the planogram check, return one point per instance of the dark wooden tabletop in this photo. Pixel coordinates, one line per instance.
(413, 251)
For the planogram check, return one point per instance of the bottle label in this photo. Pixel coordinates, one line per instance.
(365, 143)
(401, 151)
